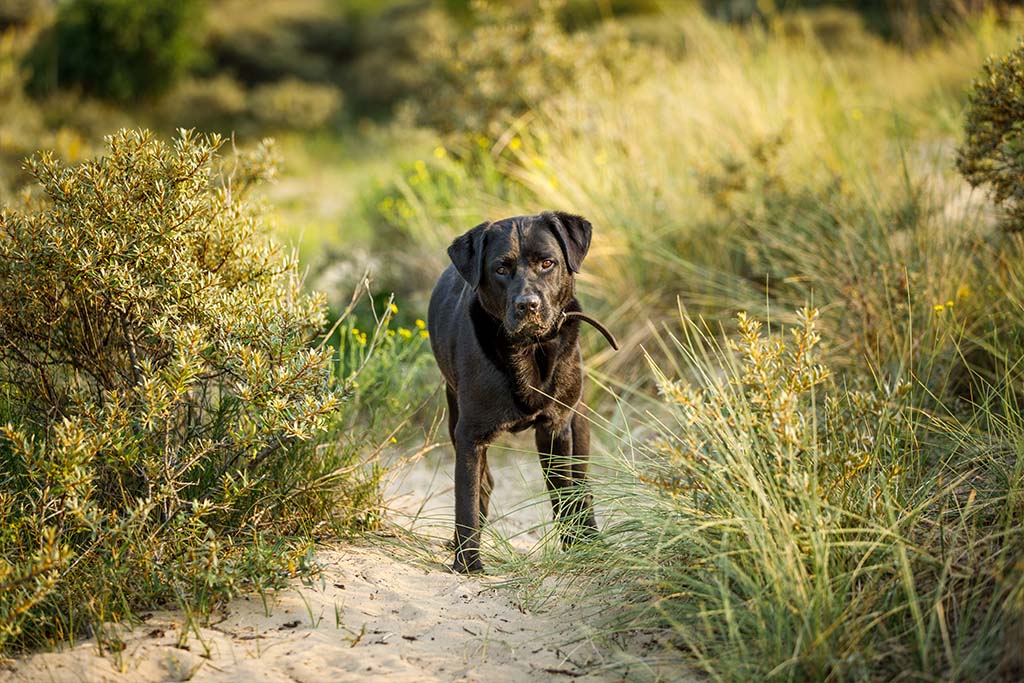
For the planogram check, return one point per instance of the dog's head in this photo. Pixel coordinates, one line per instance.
(523, 268)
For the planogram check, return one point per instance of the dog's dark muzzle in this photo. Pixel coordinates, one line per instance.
(527, 316)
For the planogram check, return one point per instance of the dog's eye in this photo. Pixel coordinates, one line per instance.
(546, 263)
(501, 270)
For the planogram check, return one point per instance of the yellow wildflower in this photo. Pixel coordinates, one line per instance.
(424, 334)
(392, 307)
(404, 333)
(440, 152)
(420, 324)
(939, 308)
(515, 144)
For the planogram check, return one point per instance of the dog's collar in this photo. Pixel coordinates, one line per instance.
(562, 318)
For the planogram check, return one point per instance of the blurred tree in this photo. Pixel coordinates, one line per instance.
(992, 154)
(910, 23)
(16, 12)
(119, 49)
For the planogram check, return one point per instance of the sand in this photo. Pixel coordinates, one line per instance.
(385, 609)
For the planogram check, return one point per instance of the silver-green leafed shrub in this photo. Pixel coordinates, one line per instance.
(158, 375)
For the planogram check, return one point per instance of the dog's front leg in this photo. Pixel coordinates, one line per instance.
(469, 454)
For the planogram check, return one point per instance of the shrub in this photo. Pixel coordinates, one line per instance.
(272, 40)
(508, 62)
(993, 151)
(805, 525)
(162, 389)
(779, 411)
(294, 104)
(120, 49)
(204, 103)
(388, 64)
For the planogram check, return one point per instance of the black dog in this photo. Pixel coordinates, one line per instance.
(503, 325)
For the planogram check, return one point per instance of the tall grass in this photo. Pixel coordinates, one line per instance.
(760, 163)
(784, 525)
(838, 503)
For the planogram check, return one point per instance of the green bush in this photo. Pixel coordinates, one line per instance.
(509, 61)
(204, 103)
(792, 523)
(388, 64)
(993, 151)
(164, 392)
(223, 104)
(294, 104)
(120, 49)
(272, 40)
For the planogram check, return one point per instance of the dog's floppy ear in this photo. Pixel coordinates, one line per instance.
(467, 253)
(573, 234)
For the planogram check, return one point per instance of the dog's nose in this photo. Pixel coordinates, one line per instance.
(527, 303)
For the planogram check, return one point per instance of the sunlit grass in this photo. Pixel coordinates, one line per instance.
(875, 531)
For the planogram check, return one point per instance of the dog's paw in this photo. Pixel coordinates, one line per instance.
(583, 535)
(474, 566)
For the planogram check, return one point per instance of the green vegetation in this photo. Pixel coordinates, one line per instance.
(844, 505)
(813, 525)
(119, 49)
(993, 153)
(173, 416)
(831, 494)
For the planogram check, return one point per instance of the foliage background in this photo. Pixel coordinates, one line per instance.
(839, 502)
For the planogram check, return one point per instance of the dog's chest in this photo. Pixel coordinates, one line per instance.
(543, 382)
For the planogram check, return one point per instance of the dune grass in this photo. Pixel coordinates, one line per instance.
(834, 496)
(786, 524)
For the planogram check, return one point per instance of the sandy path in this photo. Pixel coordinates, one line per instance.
(377, 612)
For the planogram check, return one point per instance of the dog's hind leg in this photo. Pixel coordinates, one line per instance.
(582, 506)
(563, 457)
(453, 411)
(453, 421)
(486, 486)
